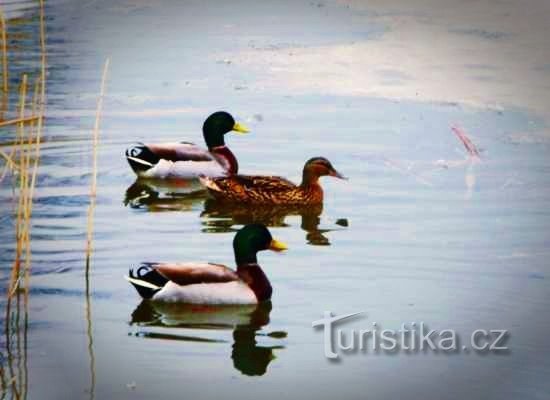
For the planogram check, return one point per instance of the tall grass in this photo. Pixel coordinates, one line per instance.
(23, 162)
(4, 54)
(90, 229)
(93, 186)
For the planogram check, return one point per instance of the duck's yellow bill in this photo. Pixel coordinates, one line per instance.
(240, 128)
(275, 245)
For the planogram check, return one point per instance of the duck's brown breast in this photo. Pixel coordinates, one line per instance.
(256, 279)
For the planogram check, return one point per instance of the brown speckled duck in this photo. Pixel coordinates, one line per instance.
(273, 189)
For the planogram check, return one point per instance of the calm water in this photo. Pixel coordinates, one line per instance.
(416, 234)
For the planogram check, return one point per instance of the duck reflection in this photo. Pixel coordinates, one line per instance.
(222, 216)
(218, 216)
(246, 321)
(165, 195)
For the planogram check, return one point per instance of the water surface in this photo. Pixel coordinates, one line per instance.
(418, 233)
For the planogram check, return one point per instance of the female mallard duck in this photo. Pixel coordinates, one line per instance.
(273, 190)
(206, 283)
(187, 160)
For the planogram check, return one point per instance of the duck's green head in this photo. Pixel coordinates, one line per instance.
(217, 125)
(250, 240)
(319, 166)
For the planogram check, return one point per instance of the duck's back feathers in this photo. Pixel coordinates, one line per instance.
(264, 182)
(260, 190)
(172, 160)
(195, 272)
(183, 151)
(247, 183)
(199, 283)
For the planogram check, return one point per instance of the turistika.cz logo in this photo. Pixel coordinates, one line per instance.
(410, 337)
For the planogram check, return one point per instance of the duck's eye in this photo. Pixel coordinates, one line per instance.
(136, 151)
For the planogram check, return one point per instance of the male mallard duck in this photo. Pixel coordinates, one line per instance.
(206, 283)
(187, 160)
(273, 189)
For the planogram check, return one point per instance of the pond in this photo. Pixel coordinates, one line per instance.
(421, 231)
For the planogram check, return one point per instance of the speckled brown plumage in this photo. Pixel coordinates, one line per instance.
(246, 189)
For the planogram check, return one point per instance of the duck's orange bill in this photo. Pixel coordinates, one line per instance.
(275, 245)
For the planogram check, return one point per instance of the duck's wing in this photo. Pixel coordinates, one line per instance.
(195, 272)
(183, 151)
(150, 278)
(268, 183)
(146, 156)
(248, 183)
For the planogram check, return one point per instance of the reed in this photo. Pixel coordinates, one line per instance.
(35, 133)
(93, 186)
(9, 162)
(30, 118)
(21, 150)
(21, 156)
(5, 80)
(23, 161)
(90, 226)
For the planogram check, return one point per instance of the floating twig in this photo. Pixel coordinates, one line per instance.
(468, 144)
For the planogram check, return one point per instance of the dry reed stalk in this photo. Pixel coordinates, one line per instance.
(89, 334)
(9, 162)
(93, 188)
(5, 81)
(93, 193)
(9, 158)
(3, 384)
(89, 236)
(39, 102)
(15, 278)
(10, 165)
(30, 188)
(20, 143)
(30, 118)
(24, 144)
(25, 151)
(18, 345)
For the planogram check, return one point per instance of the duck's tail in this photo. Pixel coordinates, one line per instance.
(141, 158)
(146, 280)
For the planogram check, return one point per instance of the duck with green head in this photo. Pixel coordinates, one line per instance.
(207, 283)
(273, 190)
(187, 160)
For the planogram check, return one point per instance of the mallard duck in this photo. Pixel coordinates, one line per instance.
(187, 160)
(273, 189)
(207, 283)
